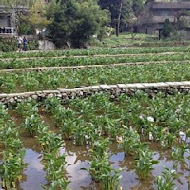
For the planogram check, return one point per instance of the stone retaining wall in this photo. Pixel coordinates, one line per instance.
(114, 90)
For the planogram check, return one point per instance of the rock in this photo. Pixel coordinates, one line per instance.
(34, 97)
(64, 95)
(50, 95)
(59, 95)
(11, 100)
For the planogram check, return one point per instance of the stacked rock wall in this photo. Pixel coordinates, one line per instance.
(114, 90)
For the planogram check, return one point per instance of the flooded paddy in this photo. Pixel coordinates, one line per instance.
(34, 175)
(78, 157)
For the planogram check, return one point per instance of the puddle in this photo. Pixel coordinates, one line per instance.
(35, 175)
(77, 157)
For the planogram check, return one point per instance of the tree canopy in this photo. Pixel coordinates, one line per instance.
(75, 21)
(37, 15)
(15, 3)
(122, 11)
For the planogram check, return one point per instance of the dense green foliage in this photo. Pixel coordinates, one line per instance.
(149, 131)
(167, 28)
(10, 44)
(54, 162)
(123, 12)
(105, 121)
(82, 61)
(95, 51)
(12, 166)
(74, 22)
(19, 82)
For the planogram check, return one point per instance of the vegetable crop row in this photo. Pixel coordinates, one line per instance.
(134, 122)
(12, 166)
(51, 143)
(97, 51)
(76, 126)
(74, 61)
(129, 120)
(20, 82)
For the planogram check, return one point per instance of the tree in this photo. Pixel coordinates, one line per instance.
(36, 16)
(75, 21)
(167, 28)
(180, 19)
(122, 11)
(118, 10)
(16, 3)
(135, 12)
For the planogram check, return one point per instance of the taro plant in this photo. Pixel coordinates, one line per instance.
(79, 134)
(144, 164)
(100, 147)
(51, 142)
(54, 165)
(67, 128)
(131, 142)
(166, 180)
(31, 124)
(178, 153)
(167, 139)
(27, 108)
(11, 168)
(98, 167)
(110, 180)
(51, 104)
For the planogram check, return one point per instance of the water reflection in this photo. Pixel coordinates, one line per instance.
(34, 172)
(77, 157)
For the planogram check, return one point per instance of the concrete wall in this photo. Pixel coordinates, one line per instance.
(46, 45)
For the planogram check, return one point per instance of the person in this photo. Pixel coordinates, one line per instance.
(25, 43)
(19, 41)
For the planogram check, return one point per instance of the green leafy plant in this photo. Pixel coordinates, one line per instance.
(144, 163)
(131, 142)
(166, 180)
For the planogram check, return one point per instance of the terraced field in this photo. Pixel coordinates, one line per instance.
(99, 142)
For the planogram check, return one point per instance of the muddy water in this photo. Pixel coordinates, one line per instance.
(78, 157)
(35, 175)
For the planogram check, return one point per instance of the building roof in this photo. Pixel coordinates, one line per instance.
(173, 5)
